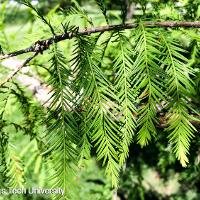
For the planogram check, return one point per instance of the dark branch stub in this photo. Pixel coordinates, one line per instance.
(41, 46)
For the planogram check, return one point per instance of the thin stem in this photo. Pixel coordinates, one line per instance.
(10, 76)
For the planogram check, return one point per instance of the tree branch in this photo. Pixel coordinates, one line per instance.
(10, 76)
(42, 45)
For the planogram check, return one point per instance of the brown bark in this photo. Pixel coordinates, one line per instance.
(42, 45)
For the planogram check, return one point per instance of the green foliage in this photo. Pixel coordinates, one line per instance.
(147, 78)
(180, 88)
(123, 67)
(3, 42)
(15, 169)
(98, 97)
(108, 91)
(102, 6)
(62, 135)
(39, 15)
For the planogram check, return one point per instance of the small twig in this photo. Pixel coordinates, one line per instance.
(16, 53)
(42, 45)
(10, 76)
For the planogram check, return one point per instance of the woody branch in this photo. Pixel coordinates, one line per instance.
(42, 45)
